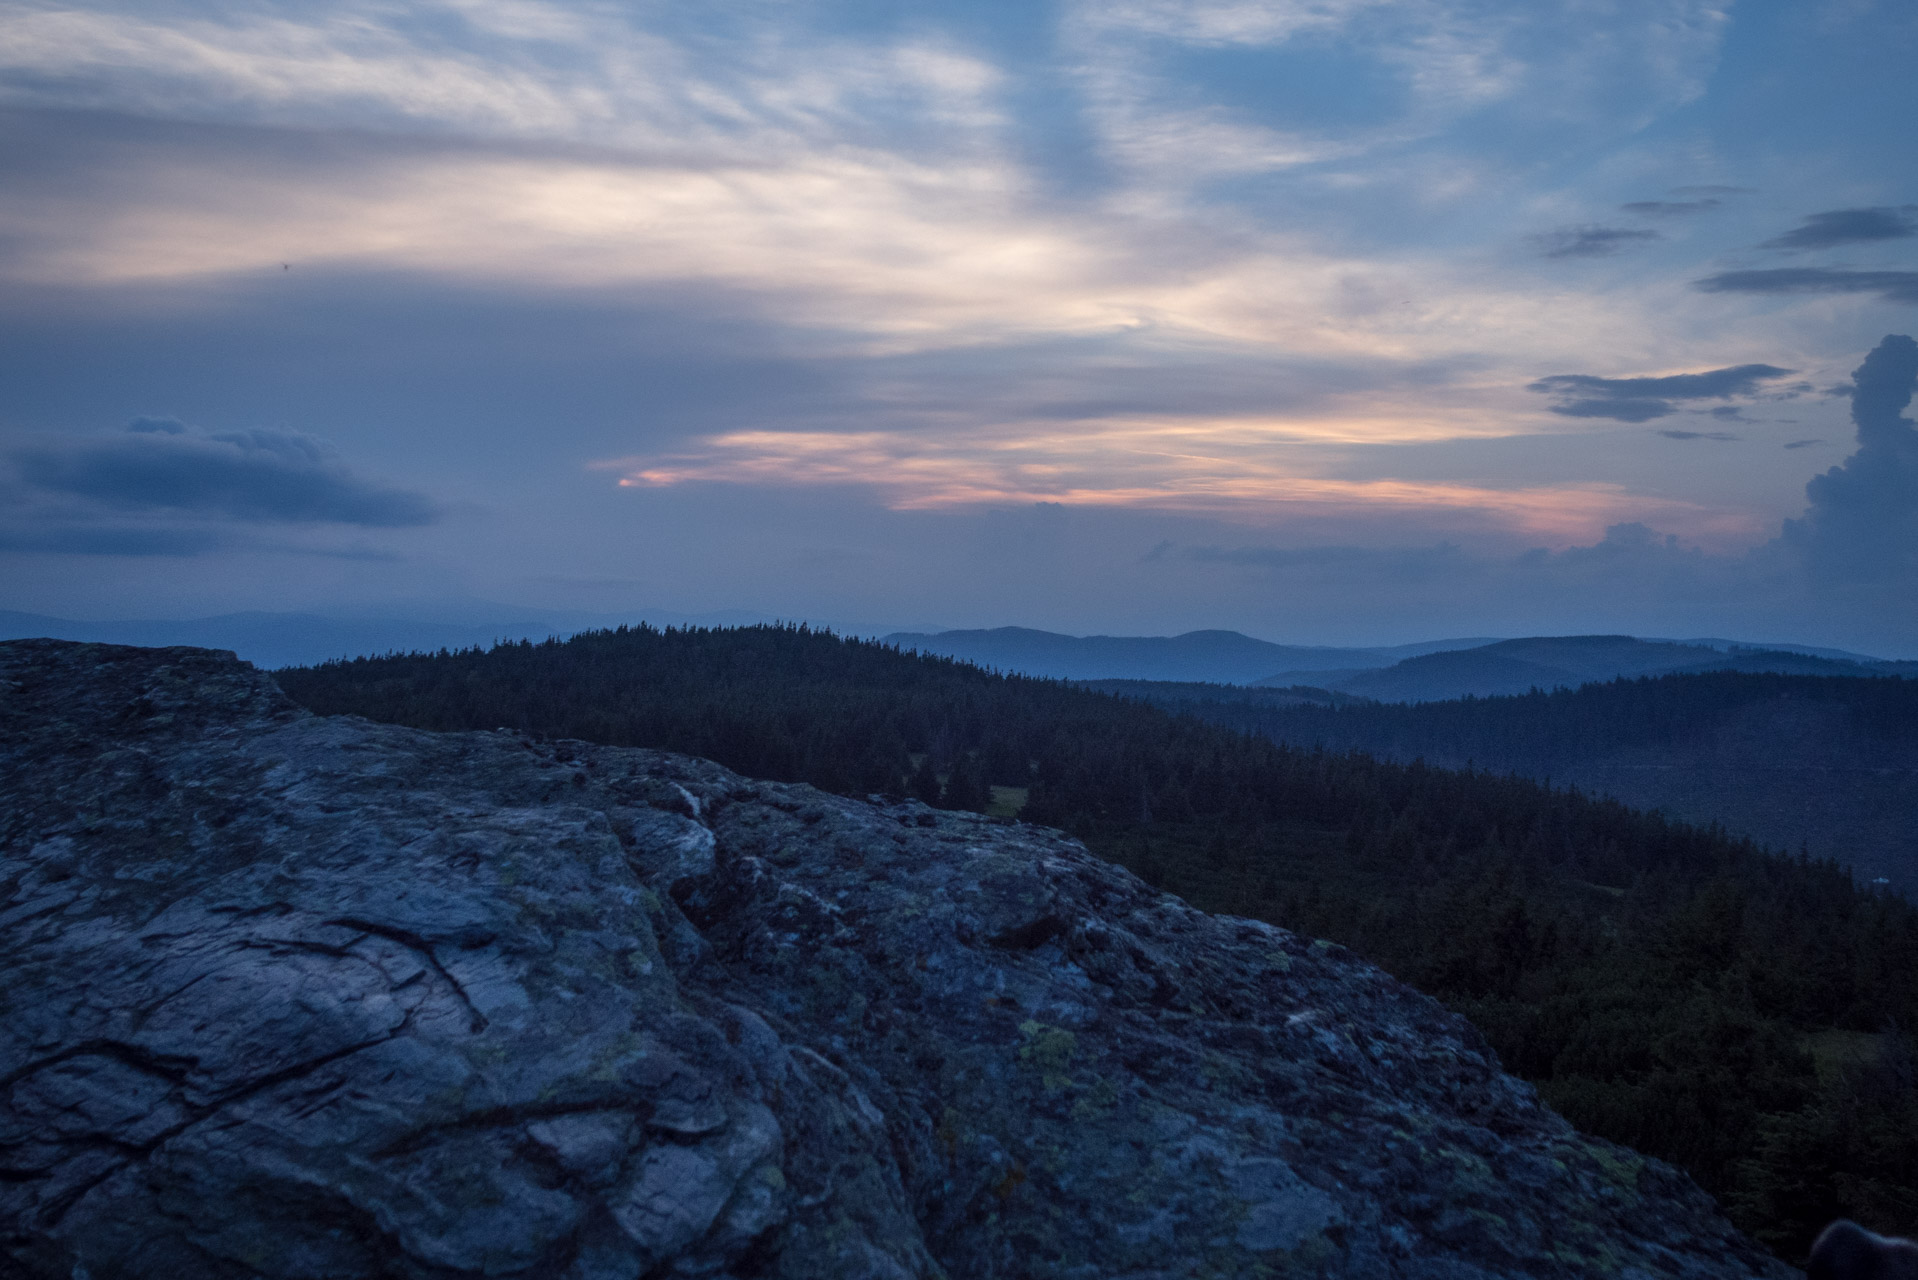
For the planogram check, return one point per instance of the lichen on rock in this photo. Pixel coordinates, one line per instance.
(291, 996)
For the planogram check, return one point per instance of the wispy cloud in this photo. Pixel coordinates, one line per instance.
(1671, 208)
(1591, 242)
(1170, 327)
(1849, 226)
(1891, 286)
(1148, 466)
(528, 70)
(1584, 395)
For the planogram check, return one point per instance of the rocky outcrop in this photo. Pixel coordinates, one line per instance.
(290, 996)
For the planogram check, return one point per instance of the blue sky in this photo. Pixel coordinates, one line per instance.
(1340, 321)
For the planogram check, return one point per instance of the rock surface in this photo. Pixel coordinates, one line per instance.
(290, 996)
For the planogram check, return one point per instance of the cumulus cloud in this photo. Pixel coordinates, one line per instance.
(1590, 242)
(1849, 226)
(1847, 570)
(1670, 208)
(262, 476)
(1583, 395)
(1891, 286)
(1861, 524)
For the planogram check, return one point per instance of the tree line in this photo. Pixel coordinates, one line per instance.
(1541, 731)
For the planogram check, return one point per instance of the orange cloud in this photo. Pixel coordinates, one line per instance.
(1175, 467)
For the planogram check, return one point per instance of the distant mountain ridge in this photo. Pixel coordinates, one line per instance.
(1555, 662)
(1222, 657)
(1430, 671)
(1425, 671)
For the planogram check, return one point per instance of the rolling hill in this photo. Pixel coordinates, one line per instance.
(1427, 671)
(1555, 662)
(1824, 763)
(1227, 657)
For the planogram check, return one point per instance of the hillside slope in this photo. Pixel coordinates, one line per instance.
(1827, 764)
(293, 996)
(1663, 985)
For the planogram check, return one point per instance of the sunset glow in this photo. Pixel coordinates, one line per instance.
(1375, 272)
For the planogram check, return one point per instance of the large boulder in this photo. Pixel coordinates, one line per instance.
(291, 996)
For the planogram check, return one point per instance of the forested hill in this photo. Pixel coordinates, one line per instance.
(1677, 990)
(1823, 762)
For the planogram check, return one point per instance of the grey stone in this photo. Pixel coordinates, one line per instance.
(291, 997)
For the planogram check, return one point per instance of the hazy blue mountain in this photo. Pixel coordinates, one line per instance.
(1551, 662)
(1816, 651)
(1226, 657)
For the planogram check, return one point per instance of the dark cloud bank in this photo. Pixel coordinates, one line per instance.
(259, 476)
(162, 488)
(1582, 395)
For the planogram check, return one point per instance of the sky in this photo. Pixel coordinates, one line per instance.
(1330, 321)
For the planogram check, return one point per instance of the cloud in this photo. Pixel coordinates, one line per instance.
(256, 476)
(1891, 286)
(1849, 226)
(1699, 435)
(1695, 192)
(1623, 409)
(1179, 466)
(1584, 395)
(1591, 242)
(1800, 444)
(1670, 208)
(1861, 524)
